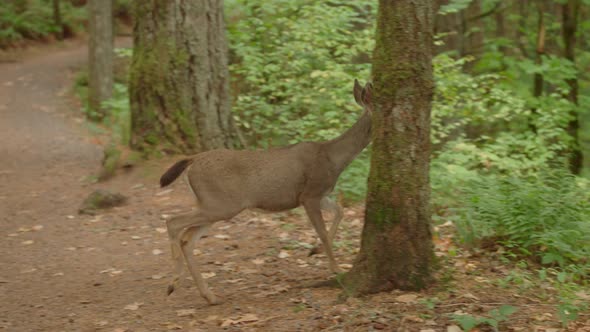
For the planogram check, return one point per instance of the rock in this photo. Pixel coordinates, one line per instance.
(454, 328)
(101, 199)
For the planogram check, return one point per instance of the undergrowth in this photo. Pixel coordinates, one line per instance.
(545, 217)
(34, 20)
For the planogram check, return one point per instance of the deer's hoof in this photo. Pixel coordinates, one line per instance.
(212, 299)
(317, 249)
(170, 289)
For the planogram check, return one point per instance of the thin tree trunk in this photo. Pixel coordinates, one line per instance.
(570, 21)
(539, 52)
(57, 20)
(100, 55)
(179, 80)
(396, 248)
(522, 12)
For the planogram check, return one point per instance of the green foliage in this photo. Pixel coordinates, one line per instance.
(118, 118)
(33, 19)
(496, 316)
(544, 216)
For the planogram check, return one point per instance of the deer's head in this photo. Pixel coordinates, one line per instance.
(363, 95)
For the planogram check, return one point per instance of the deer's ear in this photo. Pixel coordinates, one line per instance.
(367, 94)
(357, 91)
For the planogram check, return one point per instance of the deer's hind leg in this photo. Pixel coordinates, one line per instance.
(177, 233)
(193, 235)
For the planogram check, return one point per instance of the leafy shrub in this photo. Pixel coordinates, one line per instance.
(545, 216)
(293, 68)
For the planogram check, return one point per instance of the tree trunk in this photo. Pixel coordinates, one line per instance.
(179, 80)
(100, 55)
(570, 21)
(396, 248)
(539, 51)
(57, 20)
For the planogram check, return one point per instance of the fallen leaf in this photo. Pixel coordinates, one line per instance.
(37, 228)
(283, 254)
(28, 242)
(185, 312)
(157, 252)
(247, 318)
(161, 230)
(171, 326)
(413, 319)
(454, 328)
(221, 236)
(157, 276)
(207, 275)
(58, 274)
(164, 192)
(407, 298)
(470, 296)
(136, 237)
(197, 252)
(133, 306)
(258, 261)
(111, 271)
(345, 266)
(232, 281)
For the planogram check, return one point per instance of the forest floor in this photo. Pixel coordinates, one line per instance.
(61, 271)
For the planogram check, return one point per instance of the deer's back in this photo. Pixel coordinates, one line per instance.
(272, 180)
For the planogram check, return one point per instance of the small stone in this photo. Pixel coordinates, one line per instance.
(101, 199)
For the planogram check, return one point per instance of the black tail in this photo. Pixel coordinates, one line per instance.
(173, 172)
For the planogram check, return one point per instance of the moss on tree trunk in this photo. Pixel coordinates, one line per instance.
(396, 248)
(179, 81)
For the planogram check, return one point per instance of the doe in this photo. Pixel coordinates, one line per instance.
(226, 182)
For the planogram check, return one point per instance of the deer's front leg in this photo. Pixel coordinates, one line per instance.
(312, 208)
(335, 209)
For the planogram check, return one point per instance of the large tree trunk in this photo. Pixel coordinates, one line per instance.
(570, 21)
(100, 55)
(396, 248)
(179, 81)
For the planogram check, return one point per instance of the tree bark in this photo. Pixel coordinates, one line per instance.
(570, 21)
(100, 55)
(179, 80)
(396, 247)
(538, 81)
(57, 20)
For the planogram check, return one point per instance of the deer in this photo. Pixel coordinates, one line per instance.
(226, 182)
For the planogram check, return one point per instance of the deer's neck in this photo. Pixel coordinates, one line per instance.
(344, 148)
